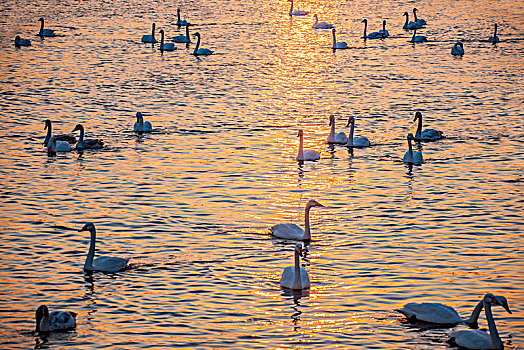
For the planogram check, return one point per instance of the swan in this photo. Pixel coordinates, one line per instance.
(54, 146)
(457, 49)
(54, 321)
(64, 137)
(340, 44)
(183, 38)
(476, 339)
(140, 125)
(201, 52)
(292, 231)
(417, 38)
(333, 137)
(102, 263)
(165, 46)
(45, 32)
(383, 32)
(321, 25)
(305, 154)
(87, 143)
(410, 156)
(361, 141)
(21, 42)
(181, 22)
(442, 314)
(427, 134)
(374, 35)
(494, 39)
(295, 277)
(296, 12)
(150, 38)
(418, 20)
(410, 25)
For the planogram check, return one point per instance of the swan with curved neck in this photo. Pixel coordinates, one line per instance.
(383, 32)
(420, 21)
(417, 38)
(411, 157)
(293, 231)
(101, 263)
(87, 143)
(150, 38)
(54, 321)
(334, 137)
(457, 49)
(181, 22)
(198, 51)
(360, 141)
(141, 126)
(494, 39)
(165, 46)
(476, 339)
(410, 25)
(374, 35)
(296, 12)
(19, 42)
(63, 137)
(321, 25)
(338, 45)
(183, 38)
(305, 154)
(295, 277)
(45, 32)
(427, 134)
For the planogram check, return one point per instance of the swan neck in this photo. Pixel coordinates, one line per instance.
(351, 132)
(307, 230)
(41, 27)
(297, 283)
(301, 148)
(495, 32)
(410, 150)
(197, 45)
(44, 324)
(316, 19)
(88, 265)
(334, 44)
(187, 32)
(178, 16)
(365, 28)
(291, 9)
(162, 40)
(472, 320)
(415, 15)
(384, 26)
(496, 342)
(419, 128)
(48, 136)
(80, 139)
(153, 32)
(407, 20)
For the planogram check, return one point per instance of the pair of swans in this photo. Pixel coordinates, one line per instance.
(295, 277)
(341, 138)
(54, 321)
(321, 25)
(45, 32)
(411, 25)
(86, 143)
(19, 42)
(57, 143)
(141, 126)
(457, 49)
(374, 35)
(293, 231)
(296, 12)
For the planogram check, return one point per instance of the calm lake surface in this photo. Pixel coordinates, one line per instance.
(192, 202)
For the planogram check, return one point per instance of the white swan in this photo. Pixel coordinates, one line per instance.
(418, 20)
(183, 38)
(45, 32)
(305, 154)
(140, 125)
(165, 46)
(417, 38)
(54, 146)
(292, 231)
(150, 38)
(410, 156)
(295, 277)
(54, 321)
(102, 263)
(427, 134)
(475, 339)
(200, 52)
(457, 49)
(374, 35)
(64, 137)
(87, 143)
(494, 39)
(321, 25)
(21, 42)
(360, 141)
(383, 32)
(296, 12)
(410, 25)
(181, 22)
(333, 137)
(340, 44)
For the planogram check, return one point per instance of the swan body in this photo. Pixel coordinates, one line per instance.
(374, 35)
(321, 25)
(410, 25)
(294, 232)
(457, 49)
(183, 38)
(54, 321)
(418, 38)
(45, 32)
(305, 154)
(295, 277)
(360, 141)
(427, 134)
(494, 39)
(64, 137)
(165, 46)
(383, 32)
(87, 143)
(140, 125)
(102, 263)
(296, 12)
(411, 157)
(150, 38)
(475, 339)
(181, 22)
(21, 42)
(198, 51)
(340, 44)
(333, 137)
(420, 21)
(54, 146)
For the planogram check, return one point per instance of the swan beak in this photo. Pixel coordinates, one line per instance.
(300, 251)
(506, 306)
(83, 228)
(318, 204)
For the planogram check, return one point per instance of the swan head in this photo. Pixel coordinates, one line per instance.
(415, 9)
(332, 117)
(458, 43)
(405, 14)
(351, 120)
(178, 10)
(88, 227)
(313, 203)
(161, 31)
(300, 133)
(138, 117)
(298, 249)
(41, 19)
(417, 116)
(365, 20)
(197, 34)
(47, 124)
(40, 313)
(410, 137)
(17, 39)
(78, 127)
(497, 300)
(384, 22)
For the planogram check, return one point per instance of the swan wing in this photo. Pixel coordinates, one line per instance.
(63, 146)
(311, 155)
(288, 277)
(361, 141)
(109, 264)
(287, 231)
(340, 137)
(431, 312)
(93, 143)
(148, 127)
(305, 278)
(407, 158)
(299, 13)
(136, 127)
(417, 158)
(472, 339)
(65, 137)
(431, 135)
(148, 39)
(62, 320)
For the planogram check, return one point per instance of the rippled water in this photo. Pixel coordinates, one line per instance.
(192, 202)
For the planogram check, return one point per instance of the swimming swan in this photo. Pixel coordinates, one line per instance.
(21, 42)
(418, 20)
(292, 231)
(102, 263)
(427, 134)
(457, 49)
(476, 339)
(296, 12)
(45, 32)
(305, 154)
(374, 35)
(54, 321)
(140, 125)
(494, 39)
(165, 46)
(54, 146)
(410, 25)
(360, 141)
(410, 156)
(321, 25)
(64, 137)
(333, 137)
(295, 277)
(150, 38)
(200, 52)
(340, 44)
(417, 38)
(181, 22)
(87, 143)
(383, 32)
(183, 38)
